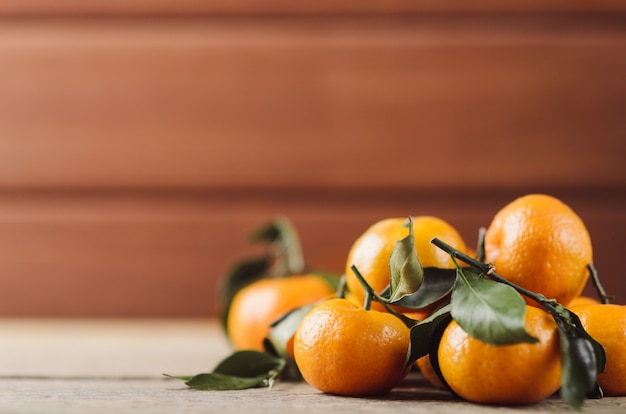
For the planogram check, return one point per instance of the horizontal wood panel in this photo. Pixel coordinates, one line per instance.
(152, 254)
(273, 7)
(136, 154)
(312, 103)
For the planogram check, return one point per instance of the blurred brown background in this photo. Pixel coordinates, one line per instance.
(141, 142)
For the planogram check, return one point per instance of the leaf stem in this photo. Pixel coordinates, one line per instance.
(284, 245)
(371, 295)
(489, 269)
(341, 288)
(561, 315)
(292, 248)
(367, 304)
(480, 245)
(604, 297)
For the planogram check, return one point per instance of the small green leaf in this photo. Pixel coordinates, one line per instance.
(578, 368)
(283, 237)
(436, 285)
(216, 382)
(249, 364)
(489, 311)
(283, 329)
(423, 334)
(281, 332)
(582, 359)
(179, 377)
(240, 275)
(425, 338)
(241, 370)
(406, 272)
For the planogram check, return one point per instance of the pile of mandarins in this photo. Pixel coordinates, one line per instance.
(363, 337)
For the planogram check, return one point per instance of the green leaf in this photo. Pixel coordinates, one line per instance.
(281, 332)
(241, 370)
(216, 382)
(424, 334)
(283, 329)
(283, 238)
(582, 359)
(436, 285)
(489, 311)
(406, 272)
(240, 275)
(578, 364)
(179, 377)
(249, 364)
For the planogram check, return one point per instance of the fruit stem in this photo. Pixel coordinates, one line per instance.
(480, 245)
(341, 288)
(489, 270)
(367, 304)
(371, 295)
(604, 298)
(284, 245)
(369, 292)
(558, 311)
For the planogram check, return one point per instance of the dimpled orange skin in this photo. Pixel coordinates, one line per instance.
(370, 253)
(522, 373)
(259, 304)
(343, 349)
(541, 244)
(607, 325)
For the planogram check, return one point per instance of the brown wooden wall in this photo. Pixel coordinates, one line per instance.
(141, 142)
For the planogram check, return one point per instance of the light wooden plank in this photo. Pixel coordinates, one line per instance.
(108, 350)
(103, 366)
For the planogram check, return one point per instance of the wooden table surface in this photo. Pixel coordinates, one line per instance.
(78, 366)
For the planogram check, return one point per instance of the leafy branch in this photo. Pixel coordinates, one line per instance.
(583, 358)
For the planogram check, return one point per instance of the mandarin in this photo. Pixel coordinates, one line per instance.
(606, 323)
(370, 253)
(541, 244)
(255, 307)
(341, 348)
(522, 373)
(582, 300)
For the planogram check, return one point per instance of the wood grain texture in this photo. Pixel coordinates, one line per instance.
(155, 254)
(286, 7)
(74, 366)
(138, 152)
(215, 104)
